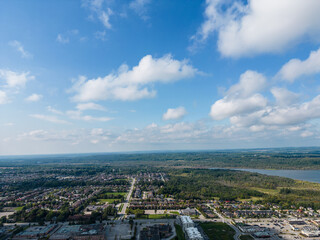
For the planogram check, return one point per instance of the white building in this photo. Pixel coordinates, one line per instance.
(193, 234)
(186, 222)
(310, 232)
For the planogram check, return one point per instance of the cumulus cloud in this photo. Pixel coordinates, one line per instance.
(174, 113)
(49, 118)
(77, 115)
(34, 97)
(296, 114)
(241, 98)
(260, 26)
(90, 106)
(15, 79)
(246, 108)
(296, 68)
(128, 85)
(181, 135)
(284, 97)
(19, 47)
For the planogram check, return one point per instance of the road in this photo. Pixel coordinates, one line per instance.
(228, 221)
(162, 177)
(126, 203)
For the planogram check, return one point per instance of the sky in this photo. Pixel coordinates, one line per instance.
(143, 75)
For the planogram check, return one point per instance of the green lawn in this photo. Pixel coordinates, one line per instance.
(175, 212)
(159, 216)
(246, 237)
(218, 230)
(108, 200)
(117, 193)
(155, 216)
(120, 208)
(179, 231)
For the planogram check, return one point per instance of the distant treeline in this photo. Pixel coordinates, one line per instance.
(203, 184)
(191, 184)
(291, 158)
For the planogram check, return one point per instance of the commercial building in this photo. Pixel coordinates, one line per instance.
(310, 232)
(36, 232)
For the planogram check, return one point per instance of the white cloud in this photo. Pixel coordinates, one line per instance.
(65, 37)
(296, 68)
(139, 6)
(181, 135)
(90, 106)
(53, 110)
(97, 9)
(49, 118)
(3, 97)
(174, 113)
(34, 98)
(293, 114)
(261, 26)
(77, 115)
(246, 108)
(284, 96)
(241, 98)
(128, 85)
(104, 17)
(15, 79)
(225, 108)
(18, 46)
(62, 39)
(307, 134)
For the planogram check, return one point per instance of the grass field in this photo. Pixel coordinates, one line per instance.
(180, 234)
(156, 216)
(116, 193)
(268, 191)
(218, 230)
(120, 208)
(108, 200)
(250, 199)
(175, 212)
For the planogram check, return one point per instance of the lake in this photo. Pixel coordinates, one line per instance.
(305, 175)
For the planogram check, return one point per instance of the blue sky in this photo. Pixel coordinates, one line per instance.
(106, 75)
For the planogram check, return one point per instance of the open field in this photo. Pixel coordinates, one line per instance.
(180, 234)
(108, 200)
(155, 216)
(246, 237)
(217, 230)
